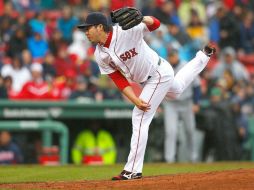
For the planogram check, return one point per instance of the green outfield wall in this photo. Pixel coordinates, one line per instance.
(64, 110)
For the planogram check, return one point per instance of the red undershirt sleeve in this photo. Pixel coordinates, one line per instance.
(120, 81)
(155, 25)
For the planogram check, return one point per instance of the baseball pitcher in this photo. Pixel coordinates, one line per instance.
(122, 54)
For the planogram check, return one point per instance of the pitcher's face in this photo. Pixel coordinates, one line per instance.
(93, 33)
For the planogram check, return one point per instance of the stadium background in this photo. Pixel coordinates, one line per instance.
(67, 61)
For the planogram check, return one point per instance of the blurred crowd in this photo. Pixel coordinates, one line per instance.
(44, 57)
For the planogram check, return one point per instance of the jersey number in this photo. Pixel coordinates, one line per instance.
(128, 54)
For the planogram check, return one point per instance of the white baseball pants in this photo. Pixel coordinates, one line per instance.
(161, 84)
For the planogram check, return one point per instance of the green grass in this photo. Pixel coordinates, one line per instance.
(32, 173)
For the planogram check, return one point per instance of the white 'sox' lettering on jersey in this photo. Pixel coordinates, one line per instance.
(128, 54)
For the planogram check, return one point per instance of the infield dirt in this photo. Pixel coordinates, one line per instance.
(241, 179)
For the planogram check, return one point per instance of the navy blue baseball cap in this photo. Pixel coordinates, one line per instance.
(94, 18)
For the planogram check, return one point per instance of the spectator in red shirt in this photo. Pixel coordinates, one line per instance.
(64, 85)
(37, 88)
(64, 62)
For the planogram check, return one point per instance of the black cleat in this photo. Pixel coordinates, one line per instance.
(125, 175)
(209, 50)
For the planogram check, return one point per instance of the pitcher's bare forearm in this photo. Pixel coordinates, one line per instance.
(148, 20)
(129, 93)
(151, 22)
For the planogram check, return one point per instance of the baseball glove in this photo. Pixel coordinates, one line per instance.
(127, 17)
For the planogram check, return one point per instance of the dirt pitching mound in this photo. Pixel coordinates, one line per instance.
(242, 179)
